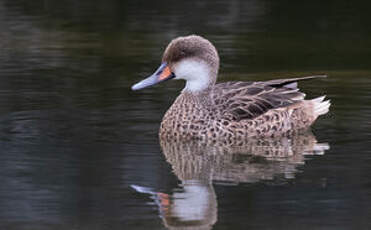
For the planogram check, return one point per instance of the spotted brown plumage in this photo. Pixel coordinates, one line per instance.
(230, 110)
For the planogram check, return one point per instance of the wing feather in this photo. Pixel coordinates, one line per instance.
(248, 100)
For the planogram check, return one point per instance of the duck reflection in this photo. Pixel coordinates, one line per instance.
(191, 206)
(200, 164)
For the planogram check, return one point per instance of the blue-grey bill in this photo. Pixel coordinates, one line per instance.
(151, 80)
(155, 78)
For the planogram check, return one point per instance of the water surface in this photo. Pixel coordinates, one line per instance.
(79, 150)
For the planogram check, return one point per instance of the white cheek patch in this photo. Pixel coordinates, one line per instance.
(196, 73)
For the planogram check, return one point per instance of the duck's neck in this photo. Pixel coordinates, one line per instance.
(197, 88)
(198, 75)
(202, 98)
(202, 82)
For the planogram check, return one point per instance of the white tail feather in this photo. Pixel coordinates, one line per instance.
(320, 107)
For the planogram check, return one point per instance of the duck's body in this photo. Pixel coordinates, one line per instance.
(231, 110)
(241, 110)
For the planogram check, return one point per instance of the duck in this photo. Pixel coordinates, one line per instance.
(233, 110)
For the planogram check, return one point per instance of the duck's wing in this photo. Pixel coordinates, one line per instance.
(290, 82)
(247, 100)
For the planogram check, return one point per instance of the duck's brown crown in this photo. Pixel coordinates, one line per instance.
(192, 46)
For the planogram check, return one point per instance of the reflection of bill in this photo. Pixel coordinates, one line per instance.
(192, 206)
(199, 164)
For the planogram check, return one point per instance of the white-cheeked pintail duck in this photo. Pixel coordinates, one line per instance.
(230, 110)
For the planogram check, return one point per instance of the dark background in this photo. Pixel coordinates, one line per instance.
(74, 137)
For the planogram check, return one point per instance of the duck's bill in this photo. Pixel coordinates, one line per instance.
(163, 73)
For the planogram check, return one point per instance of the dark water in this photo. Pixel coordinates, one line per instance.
(79, 150)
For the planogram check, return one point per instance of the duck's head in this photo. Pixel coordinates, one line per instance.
(192, 58)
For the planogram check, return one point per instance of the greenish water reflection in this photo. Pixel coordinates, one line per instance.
(74, 138)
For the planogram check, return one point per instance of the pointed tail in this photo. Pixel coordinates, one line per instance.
(320, 106)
